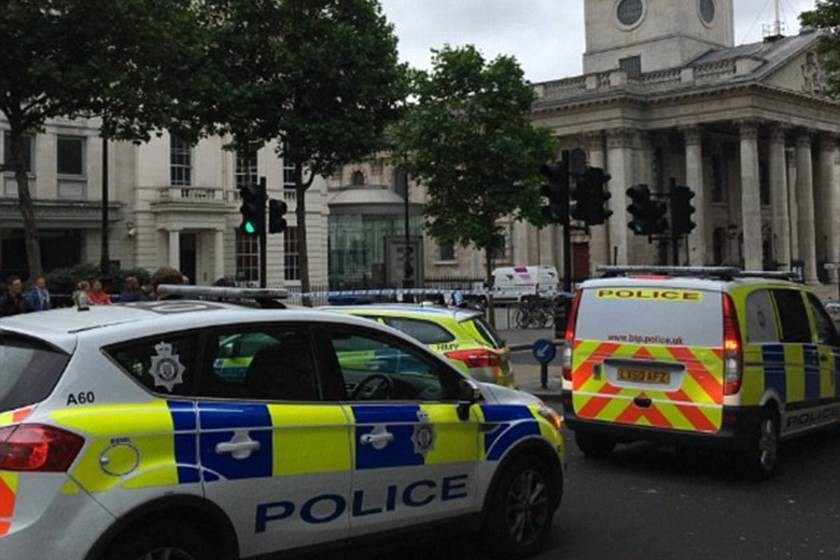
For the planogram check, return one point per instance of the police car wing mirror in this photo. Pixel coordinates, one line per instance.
(468, 394)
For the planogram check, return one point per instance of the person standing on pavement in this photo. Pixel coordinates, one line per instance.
(13, 302)
(166, 275)
(98, 296)
(132, 292)
(38, 298)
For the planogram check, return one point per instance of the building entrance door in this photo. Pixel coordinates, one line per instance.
(189, 242)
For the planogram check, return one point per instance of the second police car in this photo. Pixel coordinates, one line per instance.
(121, 438)
(706, 356)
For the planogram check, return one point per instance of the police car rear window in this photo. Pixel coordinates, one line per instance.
(423, 331)
(487, 332)
(651, 316)
(29, 371)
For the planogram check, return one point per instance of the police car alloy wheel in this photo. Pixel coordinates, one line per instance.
(167, 554)
(527, 506)
(168, 540)
(761, 461)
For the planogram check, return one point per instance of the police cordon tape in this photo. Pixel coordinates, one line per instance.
(398, 292)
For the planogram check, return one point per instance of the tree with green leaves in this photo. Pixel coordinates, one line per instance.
(469, 140)
(826, 16)
(121, 60)
(322, 77)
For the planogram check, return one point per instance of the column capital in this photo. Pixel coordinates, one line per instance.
(804, 138)
(593, 140)
(693, 134)
(620, 137)
(748, 128)
(779, 133)
(828, 141)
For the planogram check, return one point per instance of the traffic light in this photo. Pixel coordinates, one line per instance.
(556, 191)
(648, 214)
(592, 198)
(681, 210)
(252, 209)
(276, 210)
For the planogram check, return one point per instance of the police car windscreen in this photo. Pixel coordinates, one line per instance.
(659, 316)
(29, 371)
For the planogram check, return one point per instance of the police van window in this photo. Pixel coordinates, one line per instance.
(761, 318)
(29, 371)
(272, 364)
(826, 333)
(164, 364)
(423, 331)
(376, 369)
(792, 316)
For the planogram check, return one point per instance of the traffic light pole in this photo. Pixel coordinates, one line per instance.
(264, 236)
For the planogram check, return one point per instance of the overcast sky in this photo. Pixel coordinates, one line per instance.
(546, 36)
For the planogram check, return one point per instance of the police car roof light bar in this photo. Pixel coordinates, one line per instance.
(702, 271)
(772, 274)
(222, 293)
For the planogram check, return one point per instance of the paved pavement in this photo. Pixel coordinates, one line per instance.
(657, 503)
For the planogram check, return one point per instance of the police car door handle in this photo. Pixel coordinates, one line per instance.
(239, 447)
(377, 440)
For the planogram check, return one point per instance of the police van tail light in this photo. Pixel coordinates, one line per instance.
(476, 358)
(733, 350)
(37, 448)
(571, 325)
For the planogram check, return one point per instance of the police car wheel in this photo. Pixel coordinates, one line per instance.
(163, 542)
(591, 445)
(761, 461)
(521, 511)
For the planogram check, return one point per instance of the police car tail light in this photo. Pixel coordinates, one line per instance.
(571, 324)
(476, 358)
(733, 355)
(33, 447)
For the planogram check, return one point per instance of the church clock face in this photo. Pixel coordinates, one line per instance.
(707, 11)
(630, 12)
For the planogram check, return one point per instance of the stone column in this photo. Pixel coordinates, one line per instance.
(793, 205)
(750, 196)
(830, 179)
(175, 248)
(694, 180)
(619, 166)
(805, 204)
(599, 246)
(218, 254)
(779, 198)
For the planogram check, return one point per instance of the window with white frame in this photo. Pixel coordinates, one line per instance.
(28, 151)
(70, 156)
(288, 169)
(447, 251)
(246, 169)
(291, 255)
(180, 162)
(247, 257)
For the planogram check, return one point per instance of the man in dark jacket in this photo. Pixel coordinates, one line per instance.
(12, 302)
(38, 299)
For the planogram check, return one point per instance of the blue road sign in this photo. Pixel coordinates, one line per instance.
(544, 351)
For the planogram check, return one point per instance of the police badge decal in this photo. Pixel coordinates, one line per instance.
(424, 435)
(166, 367)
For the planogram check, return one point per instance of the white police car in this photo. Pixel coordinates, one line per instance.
(126, 432)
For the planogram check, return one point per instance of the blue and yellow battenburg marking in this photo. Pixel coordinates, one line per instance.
(794, 372)
(176, 441)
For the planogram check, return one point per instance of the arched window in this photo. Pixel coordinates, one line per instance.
(357, 179)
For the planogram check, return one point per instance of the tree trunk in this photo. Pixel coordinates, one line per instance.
(488, 281)
(303, 252)
(27, 210)
(105, 256)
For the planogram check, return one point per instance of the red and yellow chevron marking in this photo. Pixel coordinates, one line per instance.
(696, 406)
(8, 494)
(15, 416)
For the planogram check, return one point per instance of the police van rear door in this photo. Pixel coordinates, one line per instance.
(649, 353)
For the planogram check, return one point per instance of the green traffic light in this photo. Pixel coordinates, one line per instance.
(249, 228)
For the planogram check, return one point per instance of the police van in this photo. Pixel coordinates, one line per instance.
(707, 356)
(123, 438)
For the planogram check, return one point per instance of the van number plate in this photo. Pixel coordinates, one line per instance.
(652, 376)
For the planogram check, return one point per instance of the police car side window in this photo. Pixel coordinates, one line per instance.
(792, 316)
(165, 364)
(375, 368)
(826, 333)
(274, 363)
(761, 319)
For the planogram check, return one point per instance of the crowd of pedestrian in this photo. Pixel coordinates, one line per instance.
(14, 300)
